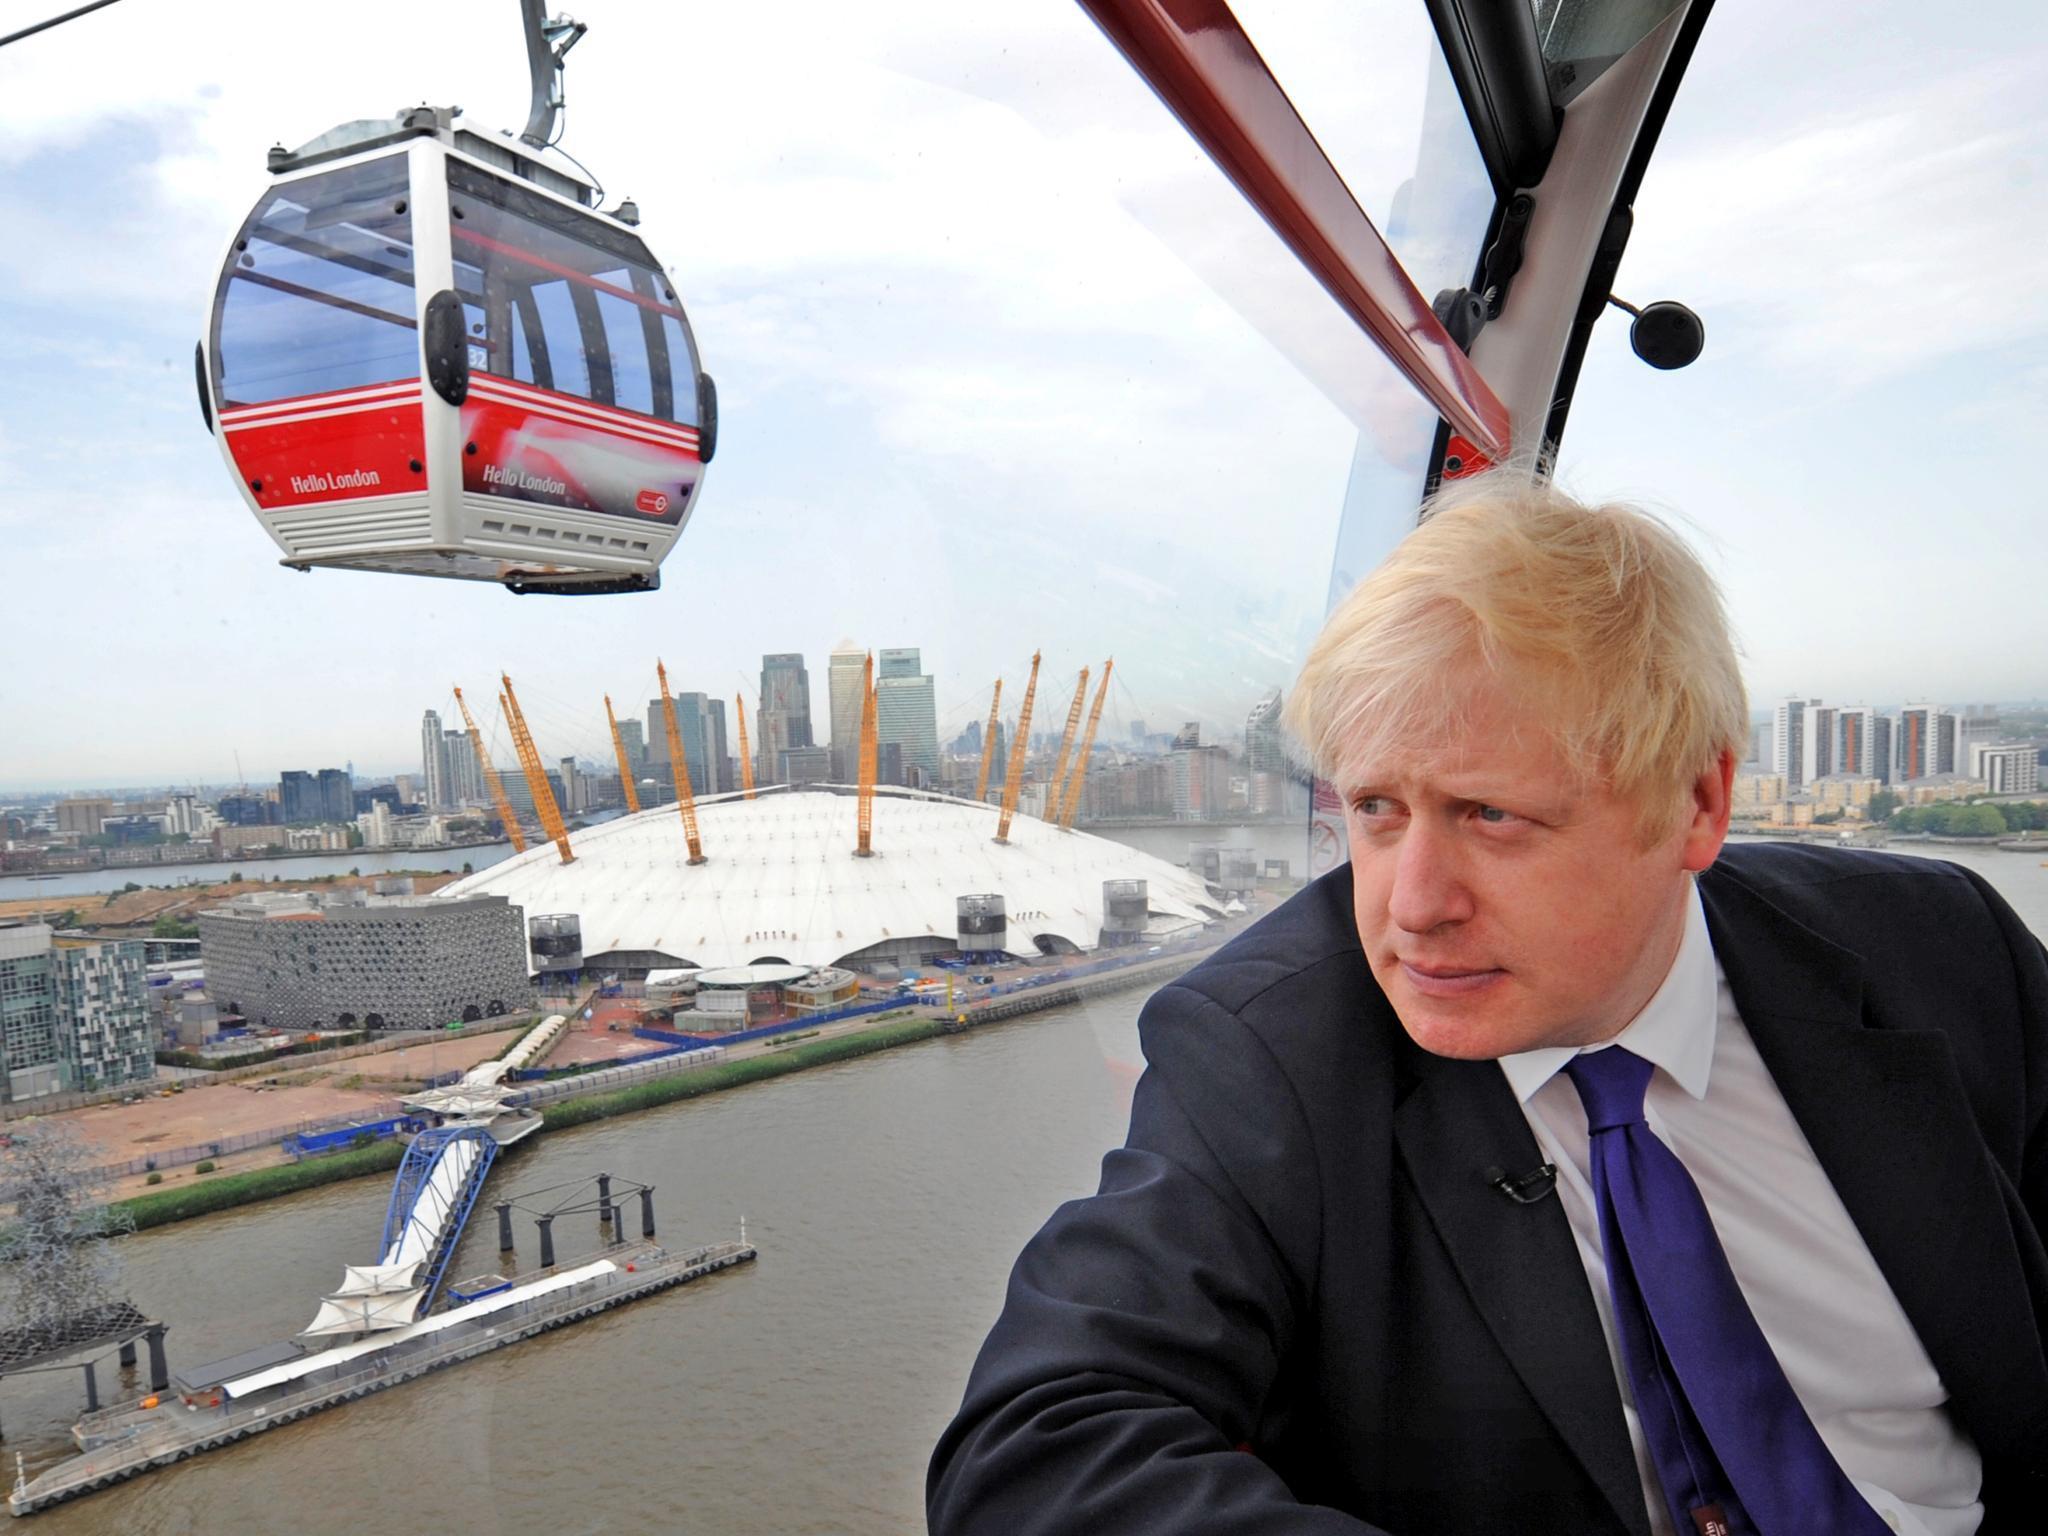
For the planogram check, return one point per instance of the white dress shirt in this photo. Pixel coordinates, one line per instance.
(1846, 1347)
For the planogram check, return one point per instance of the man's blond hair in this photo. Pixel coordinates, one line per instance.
(1599, 619)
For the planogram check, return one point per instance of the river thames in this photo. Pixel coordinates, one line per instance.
(801, 1394)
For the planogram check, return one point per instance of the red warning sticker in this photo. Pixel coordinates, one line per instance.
(653, 503)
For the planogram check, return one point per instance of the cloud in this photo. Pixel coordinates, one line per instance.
(1863, 242)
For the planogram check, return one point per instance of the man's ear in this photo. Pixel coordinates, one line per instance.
(1706, 826)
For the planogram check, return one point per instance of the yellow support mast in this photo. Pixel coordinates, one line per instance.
(491, 780)
(685, 801)
(1059, 767)
(869, 751)
(1014, 781)
(626, 784)
(536, 774)
(1071, 801)
(746, 753)
(988, 743)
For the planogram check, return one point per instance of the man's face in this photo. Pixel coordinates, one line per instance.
(1504, 906)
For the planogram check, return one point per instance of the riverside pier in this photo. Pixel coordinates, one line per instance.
(233, 1399)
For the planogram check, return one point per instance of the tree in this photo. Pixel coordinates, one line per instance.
(1978, 821)
(1882, 804)
(169, 927)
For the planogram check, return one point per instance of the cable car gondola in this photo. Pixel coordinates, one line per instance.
(430, 353)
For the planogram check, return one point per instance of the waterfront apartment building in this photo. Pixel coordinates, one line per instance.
(294, 962)
(73, 1016)
(1265, 757)
(1201, 782)
(2006, 770)
(1754, 792)
(843, 673)
(1847, 792)
(1863, 742)
(1923, 743)
(1788, 740)
(1816, 742)
(433, 763)
(906, 709)
(82, 817)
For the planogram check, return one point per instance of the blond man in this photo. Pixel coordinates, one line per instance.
(1551, 1167)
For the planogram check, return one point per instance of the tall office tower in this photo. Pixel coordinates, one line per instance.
(1817, 742)
(842, 683)
(434, 762)
(785, 713)
(906, 709)
(337, 795)
(998, 756)
(575, 798)
(657, 739)
(635, 740)
(700, 721)
(1788, 738)
(298, 796)
(462, 773)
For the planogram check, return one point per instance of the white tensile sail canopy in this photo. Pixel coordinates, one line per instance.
(369, 1313)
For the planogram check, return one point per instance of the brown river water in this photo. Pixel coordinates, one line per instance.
(800, 1394)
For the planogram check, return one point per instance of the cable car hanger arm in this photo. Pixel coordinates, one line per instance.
(55, 21)
(1199, 61)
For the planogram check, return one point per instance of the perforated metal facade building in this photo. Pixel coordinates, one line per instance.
(405, 962)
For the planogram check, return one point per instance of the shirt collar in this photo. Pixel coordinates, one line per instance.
(1674, 1031)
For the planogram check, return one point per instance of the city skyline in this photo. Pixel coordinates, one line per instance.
(592, 747)
(1012, 327)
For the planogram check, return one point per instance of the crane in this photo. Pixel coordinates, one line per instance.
(1071, 801)
(869, 750)
(988, 743)
(739, 701)
(536, 775)
(626, 784)
(1015, 779)
(685, 801)
(491, 780)
(1059, 767)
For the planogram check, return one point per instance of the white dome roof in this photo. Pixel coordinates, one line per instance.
(781, 881)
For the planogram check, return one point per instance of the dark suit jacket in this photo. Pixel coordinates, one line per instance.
(1295, 1305)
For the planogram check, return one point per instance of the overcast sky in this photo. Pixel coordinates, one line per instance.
(1004, 365)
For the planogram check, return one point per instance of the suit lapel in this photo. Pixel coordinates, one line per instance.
(1886, 1114)
(1518, 1262)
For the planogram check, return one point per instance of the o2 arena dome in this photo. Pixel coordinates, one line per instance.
(781, 883)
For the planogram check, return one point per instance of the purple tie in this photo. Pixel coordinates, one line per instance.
(1729, 1438)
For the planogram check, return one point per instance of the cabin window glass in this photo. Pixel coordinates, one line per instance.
(626, 340)
(567, 302)
(319, 290)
